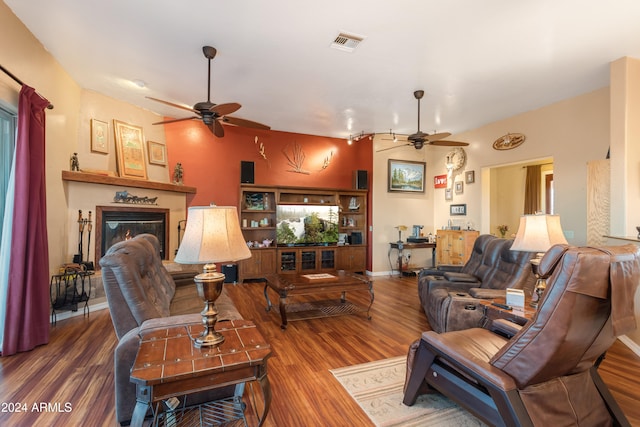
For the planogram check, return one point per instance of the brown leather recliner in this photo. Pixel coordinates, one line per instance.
(142, 296)
(547, 373)
(450, 299)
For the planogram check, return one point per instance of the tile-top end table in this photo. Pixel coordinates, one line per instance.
(169, 365)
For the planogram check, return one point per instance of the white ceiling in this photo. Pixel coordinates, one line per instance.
(478, 61)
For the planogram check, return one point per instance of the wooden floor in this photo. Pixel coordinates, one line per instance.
(73, 375)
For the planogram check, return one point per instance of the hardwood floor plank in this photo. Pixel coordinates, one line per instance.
(76, 367)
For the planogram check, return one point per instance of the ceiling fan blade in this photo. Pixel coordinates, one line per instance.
(236, 121)
(224, 109)
(175, 120)
(217, 129)
(172, 104)
(391, 148)
(443, 143)
(437, 136)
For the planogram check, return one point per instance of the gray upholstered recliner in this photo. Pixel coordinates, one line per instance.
(142, 295)
(450, 298)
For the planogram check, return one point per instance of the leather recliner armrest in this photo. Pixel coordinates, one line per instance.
(486, 293)
(461, 277)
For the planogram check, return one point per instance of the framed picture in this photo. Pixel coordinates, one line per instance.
(99, 136)
(157, 153)
(130, 150)
(470, 177)
(458, 209)
(406, 176)
(448, 194)
(459, 185)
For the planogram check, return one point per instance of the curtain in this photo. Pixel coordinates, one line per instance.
(26, 322)
(532, 190)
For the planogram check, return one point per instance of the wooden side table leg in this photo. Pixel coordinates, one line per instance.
(265, 385)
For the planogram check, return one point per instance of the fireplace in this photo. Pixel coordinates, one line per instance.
(115, 224)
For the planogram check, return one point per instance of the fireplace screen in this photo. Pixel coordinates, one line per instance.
(119, 225)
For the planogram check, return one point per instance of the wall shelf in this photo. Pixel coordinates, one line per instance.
(125, 182)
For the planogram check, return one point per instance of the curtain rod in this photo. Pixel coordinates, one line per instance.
(17, 80)
(538, 164)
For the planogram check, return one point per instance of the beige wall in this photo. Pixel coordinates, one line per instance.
(571, 131)
(392, 209)
(625, 158)
(67, 129)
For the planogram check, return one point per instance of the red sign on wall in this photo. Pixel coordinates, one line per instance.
(440, 181)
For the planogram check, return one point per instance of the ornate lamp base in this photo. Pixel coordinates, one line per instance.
(209, 286)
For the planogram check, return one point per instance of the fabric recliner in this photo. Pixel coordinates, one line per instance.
(450, 298)
(547, 373)
(142, 296)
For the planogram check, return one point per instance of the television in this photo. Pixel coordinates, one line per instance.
(306, 225)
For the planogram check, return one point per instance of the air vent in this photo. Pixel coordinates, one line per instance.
(346, 42)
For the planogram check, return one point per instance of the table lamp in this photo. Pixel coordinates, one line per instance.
(537, 233)
(212, 235)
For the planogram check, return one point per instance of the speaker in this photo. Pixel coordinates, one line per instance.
(246, 172)
(360, 179)
(230, 272)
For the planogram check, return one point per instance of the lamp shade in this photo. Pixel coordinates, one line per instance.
(212, 235)
(537, 233)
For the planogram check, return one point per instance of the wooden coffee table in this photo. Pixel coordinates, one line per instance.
(289, 285)
(169, 365)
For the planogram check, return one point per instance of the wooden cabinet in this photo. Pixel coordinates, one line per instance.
(306, 259)
(453, 247)
(345, 249)
(352, 258)
(261, 263)
(353, 216)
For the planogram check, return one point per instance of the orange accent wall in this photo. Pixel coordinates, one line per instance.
(212, 164)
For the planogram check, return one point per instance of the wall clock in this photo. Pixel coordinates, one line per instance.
(508, 141)
(456, 158)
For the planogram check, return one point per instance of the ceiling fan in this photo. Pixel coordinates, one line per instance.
(420, 139)
(212, 114)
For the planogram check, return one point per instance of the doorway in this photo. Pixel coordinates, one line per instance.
(504, 193)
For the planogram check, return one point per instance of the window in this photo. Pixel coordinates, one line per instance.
(7, 148)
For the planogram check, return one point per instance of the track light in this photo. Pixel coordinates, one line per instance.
(350, 140)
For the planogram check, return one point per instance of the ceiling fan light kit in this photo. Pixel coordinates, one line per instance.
(212, 115)
(508, 141)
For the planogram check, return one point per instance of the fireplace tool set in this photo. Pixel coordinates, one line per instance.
(79, 257)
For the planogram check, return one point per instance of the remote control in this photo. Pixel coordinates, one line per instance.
(505, 306)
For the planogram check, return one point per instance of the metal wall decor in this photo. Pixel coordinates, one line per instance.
(508, 141)
(125, 197)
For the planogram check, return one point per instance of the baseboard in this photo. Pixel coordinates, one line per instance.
(62, 315)
(633, 346)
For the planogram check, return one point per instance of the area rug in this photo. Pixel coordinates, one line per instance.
(377, 388)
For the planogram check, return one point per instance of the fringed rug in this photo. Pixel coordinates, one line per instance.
(377, 388)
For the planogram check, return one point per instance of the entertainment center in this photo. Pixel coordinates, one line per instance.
(302, 230)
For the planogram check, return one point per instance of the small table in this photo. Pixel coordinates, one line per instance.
(401, 246)
(169, 365)
(286, 285)
(516, 315)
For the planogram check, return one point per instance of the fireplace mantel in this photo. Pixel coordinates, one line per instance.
(127, 182)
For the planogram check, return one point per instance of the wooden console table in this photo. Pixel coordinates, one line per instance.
(401, 246)
(169, 365)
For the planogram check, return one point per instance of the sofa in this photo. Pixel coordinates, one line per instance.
(449, 295)
(142, 295)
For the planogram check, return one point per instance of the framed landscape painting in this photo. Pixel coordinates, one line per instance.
(130, 150)
(406, 176)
